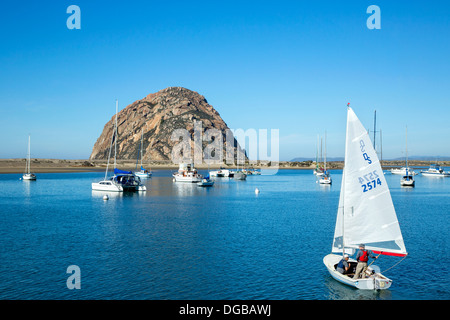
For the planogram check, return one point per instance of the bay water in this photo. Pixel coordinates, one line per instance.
(180, 241)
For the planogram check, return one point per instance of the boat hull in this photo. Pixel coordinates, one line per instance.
(187, 179)
(436, 175)
(403, 171)
(407, 183)
(240, 176)
(375, 281)
(106, 186)
(205, 183)
(143, 175)
(29, 176)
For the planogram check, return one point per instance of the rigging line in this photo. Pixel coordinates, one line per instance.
(394, 265)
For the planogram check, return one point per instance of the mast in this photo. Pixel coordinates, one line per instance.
(381, 146)
(374, 129)
(115, 130)
(321, 156)
(317, 154)
(406, 150)
(325, 160)
(142, 144)
(343, 186)
(29, 155)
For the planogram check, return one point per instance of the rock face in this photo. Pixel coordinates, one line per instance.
(158, 115)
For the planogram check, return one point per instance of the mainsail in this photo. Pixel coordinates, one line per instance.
(366, 213)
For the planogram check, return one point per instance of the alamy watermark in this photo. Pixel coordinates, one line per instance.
(374, 21)
(74, 20)
(232, 147)
(74, 280)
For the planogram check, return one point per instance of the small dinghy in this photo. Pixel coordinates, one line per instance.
(366, 213)
(205, 182)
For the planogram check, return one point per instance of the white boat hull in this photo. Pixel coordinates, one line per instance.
(407, 183)
(189, 179)
(375, 281)
(29, 176)
(106, 185)
(437, 175)
(143, 175)
(402, 171)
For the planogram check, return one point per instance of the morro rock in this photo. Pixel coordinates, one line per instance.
(158, 115)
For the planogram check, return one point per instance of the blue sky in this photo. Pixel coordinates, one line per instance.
(287, 65)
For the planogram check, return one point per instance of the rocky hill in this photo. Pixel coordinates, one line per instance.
(158, 115)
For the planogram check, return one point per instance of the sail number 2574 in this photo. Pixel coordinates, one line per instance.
(369, 181)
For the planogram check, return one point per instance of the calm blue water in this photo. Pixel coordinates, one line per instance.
(179, 241)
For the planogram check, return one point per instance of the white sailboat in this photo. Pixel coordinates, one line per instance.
(28, 175)
(108, 184)
(366, 213)
(408, 178)
(325, 178)
(144, 173)
(122, 180)
(318, 171)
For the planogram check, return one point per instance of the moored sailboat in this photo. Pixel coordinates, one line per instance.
(408, 178)
(28, 175)
(144, 173)
(325, 178)
(366, 214)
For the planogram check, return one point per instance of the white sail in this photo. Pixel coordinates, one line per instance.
(366, 213)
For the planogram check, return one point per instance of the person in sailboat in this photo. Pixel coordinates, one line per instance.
(362, 257)
(343, 265)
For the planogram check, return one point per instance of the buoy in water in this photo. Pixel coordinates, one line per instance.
(105, 197)
(256, 190)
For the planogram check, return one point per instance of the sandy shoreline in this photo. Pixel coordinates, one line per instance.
(62, 165)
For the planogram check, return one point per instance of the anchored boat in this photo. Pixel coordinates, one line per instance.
(366, 213)
(187, 173)
(435, 171)
(28, 175)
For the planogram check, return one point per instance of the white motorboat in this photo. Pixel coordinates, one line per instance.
(435, 171)
(187, 173)
(28, 175)
(364, 201)
(221, 173)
